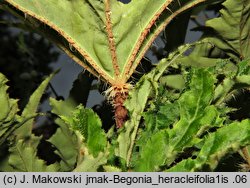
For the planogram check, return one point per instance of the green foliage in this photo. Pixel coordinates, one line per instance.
(10, 120)
(195, 116)
(179, 124)
(153, 153)
(139, 95)
(188, 127)
(30, 109)
(79, 140)
(64, 140)
(109, 168)
(170, 128)
(216, 145)
(9, 109)
(226, 36)
(89, 125)
(232, 29)
(23, 159)
(16, 131)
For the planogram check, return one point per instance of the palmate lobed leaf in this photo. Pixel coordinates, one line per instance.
(107, 33)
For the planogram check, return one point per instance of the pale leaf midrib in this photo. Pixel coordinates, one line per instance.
(143, 49)
(141, 38)
(111, 41)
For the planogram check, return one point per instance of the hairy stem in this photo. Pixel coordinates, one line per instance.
(111, 40)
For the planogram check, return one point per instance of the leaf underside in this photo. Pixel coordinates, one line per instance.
(112, 36)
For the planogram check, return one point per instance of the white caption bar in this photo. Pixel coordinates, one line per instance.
(114, 180)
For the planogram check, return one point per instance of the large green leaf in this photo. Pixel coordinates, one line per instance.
(196, 113)
(107, 33)
(198, 116)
